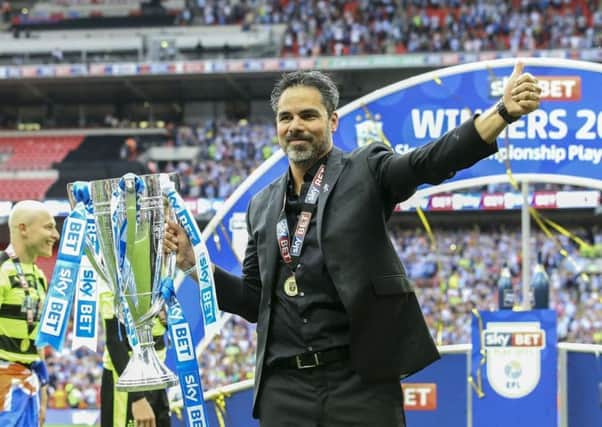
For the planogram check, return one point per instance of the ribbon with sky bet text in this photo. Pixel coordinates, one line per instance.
(59, 301)
(187, 366)
(85, 315)
(201, 254)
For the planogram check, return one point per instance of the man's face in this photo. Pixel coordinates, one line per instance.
(42, 234)
(303, 125)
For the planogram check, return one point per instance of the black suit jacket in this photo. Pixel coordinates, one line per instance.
(388, 337)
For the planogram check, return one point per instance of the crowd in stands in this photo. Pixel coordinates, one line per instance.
(459, 275)
(74, 376)
(387, 26)
(228, 152)
(350, 27)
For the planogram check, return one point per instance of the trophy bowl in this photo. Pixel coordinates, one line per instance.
(130, 214)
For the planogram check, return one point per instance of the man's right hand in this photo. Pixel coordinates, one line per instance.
(176, 240)
(143, 413)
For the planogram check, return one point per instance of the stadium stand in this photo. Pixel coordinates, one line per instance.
(90, 14)
(26, 164)
(35, 152)
(307, 28)
(101, 154)
(26, 188)
(144, 43)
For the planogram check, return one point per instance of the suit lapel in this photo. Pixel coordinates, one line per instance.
(334, 167)
(274, 206)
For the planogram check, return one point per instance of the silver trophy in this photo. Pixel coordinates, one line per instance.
(130, 214)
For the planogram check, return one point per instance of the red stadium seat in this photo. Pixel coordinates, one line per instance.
(35, 153)
(21, 189)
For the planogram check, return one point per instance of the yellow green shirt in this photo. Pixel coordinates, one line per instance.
(16, 337)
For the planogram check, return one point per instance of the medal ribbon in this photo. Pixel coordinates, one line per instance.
(58, 303)
(290, 249)
(187, 366)
(201, 255)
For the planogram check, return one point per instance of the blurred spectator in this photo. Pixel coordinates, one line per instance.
(6, 10)
(57, 55)
(129, 150)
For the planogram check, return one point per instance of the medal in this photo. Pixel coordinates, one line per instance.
(290, 287)
(25, 343)
(27, 307)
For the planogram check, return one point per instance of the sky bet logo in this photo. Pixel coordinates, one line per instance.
(183, 342)
(196, 416)
(187, 224)
(553, 88)
(493, 339)
(53, 319)
(419, 396)
(73, 237)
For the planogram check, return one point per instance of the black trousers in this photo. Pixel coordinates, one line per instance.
(328, 396)
(111, 418)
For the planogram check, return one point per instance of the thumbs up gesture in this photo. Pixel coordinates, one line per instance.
(522, 93)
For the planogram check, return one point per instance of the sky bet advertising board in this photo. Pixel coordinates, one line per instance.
(562, 139)
(514, 368)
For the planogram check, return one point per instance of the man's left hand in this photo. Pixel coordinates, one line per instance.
(522, 92)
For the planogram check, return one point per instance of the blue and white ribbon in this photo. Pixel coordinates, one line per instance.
(187, 366)
(201, 254)
(85, 316)
(124, 274)
(59, 301)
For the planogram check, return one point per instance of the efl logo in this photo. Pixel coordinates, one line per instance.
(513, 356)
(419, 396)
(553, 88)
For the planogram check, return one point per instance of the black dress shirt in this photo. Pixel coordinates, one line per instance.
(314, 319)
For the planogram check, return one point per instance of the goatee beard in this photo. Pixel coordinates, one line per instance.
(304, 158)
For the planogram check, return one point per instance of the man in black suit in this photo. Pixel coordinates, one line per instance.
(338, 323)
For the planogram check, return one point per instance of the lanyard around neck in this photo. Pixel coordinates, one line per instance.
(19, 269)
(290, 248)
(28, 303)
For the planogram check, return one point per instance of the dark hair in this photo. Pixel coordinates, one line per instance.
(316, 79)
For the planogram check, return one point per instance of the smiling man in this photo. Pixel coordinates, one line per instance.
(23, 377)
(338, 323)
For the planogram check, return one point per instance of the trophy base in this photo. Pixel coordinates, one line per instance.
(145, 371)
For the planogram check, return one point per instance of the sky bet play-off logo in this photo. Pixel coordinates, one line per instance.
(514, 357)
